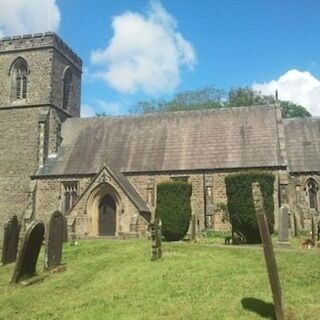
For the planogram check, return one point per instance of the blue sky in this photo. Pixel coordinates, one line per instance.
(139, 50)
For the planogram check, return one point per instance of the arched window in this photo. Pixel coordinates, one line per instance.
(312, 193)
(67, 81)
(19, 72)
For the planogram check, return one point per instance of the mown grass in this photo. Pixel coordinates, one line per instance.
(115, 279)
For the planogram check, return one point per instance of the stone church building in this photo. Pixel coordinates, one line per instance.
(102, 173)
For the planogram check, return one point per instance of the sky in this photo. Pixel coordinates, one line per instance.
(139, 50)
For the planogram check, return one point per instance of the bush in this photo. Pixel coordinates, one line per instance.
(174, 209)
(240, 203)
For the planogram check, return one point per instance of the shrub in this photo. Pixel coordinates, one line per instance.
(174, 209)
(240, 203)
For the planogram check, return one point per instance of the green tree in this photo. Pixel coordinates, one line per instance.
(101, 114)
(240, 203)
(249, 97)
(292, 110)
(211, 98)
(204, 98)
(246, 96)
(174, 209)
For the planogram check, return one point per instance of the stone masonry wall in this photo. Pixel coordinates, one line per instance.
(30, 127)
(299, 203)
(208, 190)
(47, 57)
(18, 158)
(39, 79)
(49, 197)
(58, 68)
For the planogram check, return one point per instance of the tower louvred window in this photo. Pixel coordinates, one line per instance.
(67, 81)
(19, 72)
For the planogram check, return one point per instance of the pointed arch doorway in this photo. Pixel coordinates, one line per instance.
(103, 209)
(107, 216)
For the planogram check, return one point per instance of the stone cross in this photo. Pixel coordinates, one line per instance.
(268, 251)
(283, 236)
(54, 240)
(156, 234)
(10, 241)
(27, 258)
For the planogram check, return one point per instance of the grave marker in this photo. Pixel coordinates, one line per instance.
(268, 251)
(10, 241)
(156, 234)
(54, 240)
(27, 258)
(283, 236)
(193, 227)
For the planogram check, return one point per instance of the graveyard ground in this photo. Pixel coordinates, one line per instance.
(115, 279)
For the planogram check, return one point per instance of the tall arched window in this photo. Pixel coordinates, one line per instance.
(312, 193)
(67, 81)
(19, 72)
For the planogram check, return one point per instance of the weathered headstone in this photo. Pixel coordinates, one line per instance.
(268, 251)
(283, 236)
(28, 255)
(65, 229)
(295, 225)
(156, 234)
(193, 227)
(313, 228)
(10, 241)
(54, 240)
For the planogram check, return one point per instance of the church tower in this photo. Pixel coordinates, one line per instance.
(40, 84)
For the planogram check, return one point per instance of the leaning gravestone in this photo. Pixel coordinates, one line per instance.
(268, 251)
(283, 237)
(54, 240)
(27, 259)
(10, 241)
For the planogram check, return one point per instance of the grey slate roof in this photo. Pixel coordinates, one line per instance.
(127, 188)
(190, 140)
(132, 193)
(302, 139)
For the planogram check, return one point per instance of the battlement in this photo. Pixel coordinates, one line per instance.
(38, 41)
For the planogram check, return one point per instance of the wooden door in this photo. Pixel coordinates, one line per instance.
(107, 216)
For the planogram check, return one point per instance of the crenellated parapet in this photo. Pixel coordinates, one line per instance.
(41, 41)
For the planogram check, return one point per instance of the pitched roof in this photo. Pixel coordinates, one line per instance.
(131, 193)
(302, 139)
(127, 188)
(190, 140)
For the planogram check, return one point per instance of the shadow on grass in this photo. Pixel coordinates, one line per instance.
(265, 310)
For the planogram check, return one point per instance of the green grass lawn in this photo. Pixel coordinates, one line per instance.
(115, 279)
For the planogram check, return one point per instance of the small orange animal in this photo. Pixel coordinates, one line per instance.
(308, 243)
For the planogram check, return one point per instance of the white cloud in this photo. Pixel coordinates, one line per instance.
(300, 87)
(100, 106)
(145, 53)
(87, 111)
(28, 16)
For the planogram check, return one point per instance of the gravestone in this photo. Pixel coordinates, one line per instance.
(268, 251)
(313, 228)
(27, 258)
(156, 234)
(65, 229)
(54, 240)
(283, 236)
(193, 227)
(295, 224)
(10, 241)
